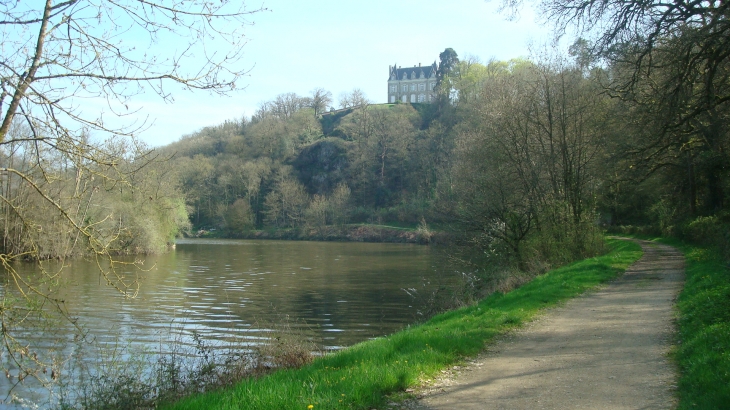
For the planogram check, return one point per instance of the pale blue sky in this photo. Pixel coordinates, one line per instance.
(341, 45)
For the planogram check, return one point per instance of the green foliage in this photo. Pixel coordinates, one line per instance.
(322, 165)
(152, 212)
(703, 349)
(379, 156)
(665, 216)
(525, 164)
(673, 100)
(361, 376)
(330, 122)
(711, 231)
(240, 217)
(561, 240)
(286, 203)
(448, 66)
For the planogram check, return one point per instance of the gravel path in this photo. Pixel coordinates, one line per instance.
(604, 350)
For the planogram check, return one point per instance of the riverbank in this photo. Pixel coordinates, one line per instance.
(346, 233)
(366, 375)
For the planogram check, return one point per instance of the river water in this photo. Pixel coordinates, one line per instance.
(336, 294)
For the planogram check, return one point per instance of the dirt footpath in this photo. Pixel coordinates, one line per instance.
(604, 350)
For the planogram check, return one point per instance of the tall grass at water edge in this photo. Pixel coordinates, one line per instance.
(363, 376)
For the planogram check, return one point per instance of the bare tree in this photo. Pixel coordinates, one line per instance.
(66, 52)
(354, 99)
(286, 105)
(69, 71)
(319, 100)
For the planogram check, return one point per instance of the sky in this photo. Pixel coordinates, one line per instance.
(297, 46)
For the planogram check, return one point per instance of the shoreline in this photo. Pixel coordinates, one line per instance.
(348, 233)
(383, 371)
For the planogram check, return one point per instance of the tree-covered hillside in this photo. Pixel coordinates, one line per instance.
(291, 167)
(524, 159)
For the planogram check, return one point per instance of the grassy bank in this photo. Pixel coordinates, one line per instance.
(362, 376)
(702, 350)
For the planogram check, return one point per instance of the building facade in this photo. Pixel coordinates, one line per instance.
(411, 84)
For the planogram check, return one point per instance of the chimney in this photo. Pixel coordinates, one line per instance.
(419, 64)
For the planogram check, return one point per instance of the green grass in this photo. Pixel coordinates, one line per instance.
(702, 350)
(362, 376)
(384, 106)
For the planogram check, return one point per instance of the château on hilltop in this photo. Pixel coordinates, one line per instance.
(411, 84)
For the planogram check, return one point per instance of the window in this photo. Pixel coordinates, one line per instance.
(405, 87)
(392, 99)
(421, 98)
(431, 85)
(404, 98)
(413, 87)
(413, 98)
(422, 87)
(393, 88)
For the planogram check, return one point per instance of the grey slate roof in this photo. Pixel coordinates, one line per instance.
(411, 73)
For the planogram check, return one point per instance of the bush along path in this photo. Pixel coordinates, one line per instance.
(367, 375)
(605, 350)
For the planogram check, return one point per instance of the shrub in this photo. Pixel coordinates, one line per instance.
(709, 231)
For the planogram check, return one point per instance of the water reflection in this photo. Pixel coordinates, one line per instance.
(336, 293)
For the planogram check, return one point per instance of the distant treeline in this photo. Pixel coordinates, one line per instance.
(525, 161)
(528, 159)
